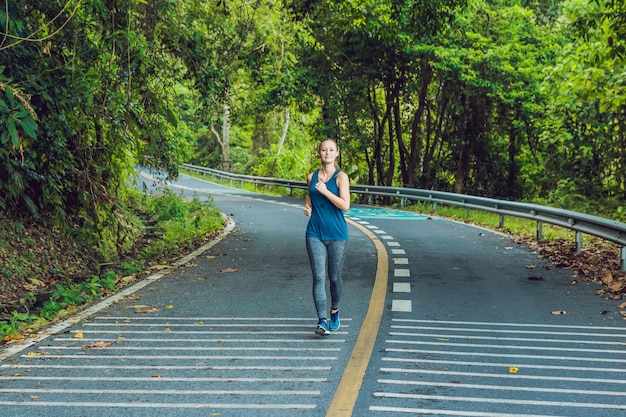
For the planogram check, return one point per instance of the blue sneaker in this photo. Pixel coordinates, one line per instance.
(334, 323)
(322, 328)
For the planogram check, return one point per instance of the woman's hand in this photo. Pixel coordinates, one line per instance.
(321, 187)
(307, 210)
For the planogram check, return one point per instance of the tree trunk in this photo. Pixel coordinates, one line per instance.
(226, 139)
(416, 143)
(281, 141)
(463, 158)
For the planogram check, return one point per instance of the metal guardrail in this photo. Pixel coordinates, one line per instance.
(606, 229)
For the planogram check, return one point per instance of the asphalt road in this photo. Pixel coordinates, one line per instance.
(438, 319)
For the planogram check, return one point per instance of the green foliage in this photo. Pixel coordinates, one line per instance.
(181, 223)
(76, 294)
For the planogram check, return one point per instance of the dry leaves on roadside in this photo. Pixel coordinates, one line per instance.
(599, 263)
(13, 336)
(229, 270)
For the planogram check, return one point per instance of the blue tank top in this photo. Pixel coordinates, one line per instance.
(326, 221)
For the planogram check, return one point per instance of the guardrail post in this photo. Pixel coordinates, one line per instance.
(539, 230)
(501, 223)
(435, 207)
(622, 253)
(579, 241)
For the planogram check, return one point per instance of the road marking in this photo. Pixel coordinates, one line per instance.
(401, 272)
(156, 391)
(499, 401)
(398, 251)
(207, 319)
(211, 325)
(157, 405)
(190, 340)
(170, 367)
(401, 261)
(404, 306)
(505, 376)
(342, 403)
(501, 387)
(509, 339)
(483, 323)
(401, 287)
(505, 365)
(502, 355)
(386, 214)
(198, 348)
(463, 413)
(121, 332)
(511, 347)
(158, 380)
(188, 357)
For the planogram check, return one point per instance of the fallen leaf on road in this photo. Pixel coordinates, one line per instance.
(513, 369)
(536, 278)
(78, 335)
(229, 270)
(135, 307)
(96, 345)
(557, 312)
(149, 310)
(623, 305)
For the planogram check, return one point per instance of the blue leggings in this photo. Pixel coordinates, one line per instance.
(326, 255)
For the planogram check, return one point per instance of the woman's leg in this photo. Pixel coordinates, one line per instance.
(317, 257)
(336, 251)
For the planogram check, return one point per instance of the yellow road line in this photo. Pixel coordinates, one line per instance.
(347, 392)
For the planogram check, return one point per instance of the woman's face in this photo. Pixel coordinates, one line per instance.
(328, 151)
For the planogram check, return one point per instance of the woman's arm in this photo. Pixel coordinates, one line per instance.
(307, 200)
